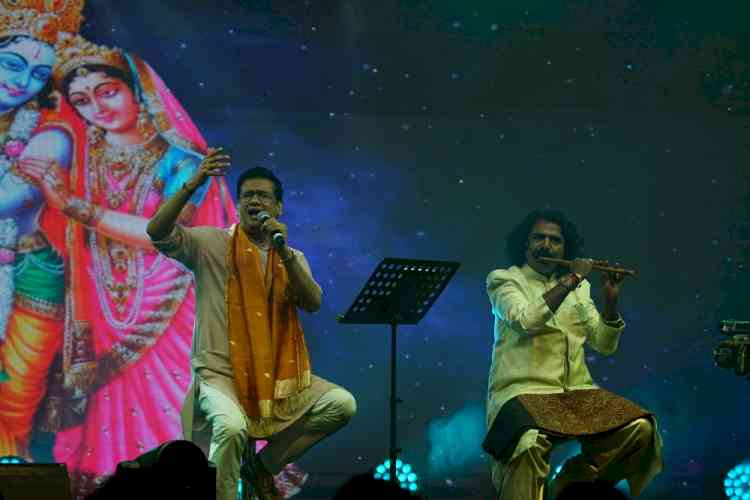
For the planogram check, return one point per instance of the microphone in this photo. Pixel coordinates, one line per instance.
(276, 236)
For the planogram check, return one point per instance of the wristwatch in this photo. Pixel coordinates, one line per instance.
(618, 323)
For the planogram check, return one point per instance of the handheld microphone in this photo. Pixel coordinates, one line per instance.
(276, 236)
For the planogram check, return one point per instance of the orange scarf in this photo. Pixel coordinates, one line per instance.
(266, 342)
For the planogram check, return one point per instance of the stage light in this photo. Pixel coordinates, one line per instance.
(240, 489)
(737, 483)
(12, 459)
(407, 478)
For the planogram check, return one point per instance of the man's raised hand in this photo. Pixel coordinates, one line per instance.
(214, 164)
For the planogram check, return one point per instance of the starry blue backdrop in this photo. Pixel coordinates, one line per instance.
(427, 129)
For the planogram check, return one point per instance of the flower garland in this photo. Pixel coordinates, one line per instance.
(14, 142)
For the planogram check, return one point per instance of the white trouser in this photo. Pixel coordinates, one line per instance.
(229, 434)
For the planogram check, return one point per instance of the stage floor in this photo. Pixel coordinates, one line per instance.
(479, 487)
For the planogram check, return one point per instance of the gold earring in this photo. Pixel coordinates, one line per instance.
(145, 125)
(94, 134)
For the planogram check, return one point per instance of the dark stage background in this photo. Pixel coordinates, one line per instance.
(427, 129)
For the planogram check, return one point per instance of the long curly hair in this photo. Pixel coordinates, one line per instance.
(45, 97)
(518, 238)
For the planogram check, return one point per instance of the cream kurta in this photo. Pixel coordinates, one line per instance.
(537, 351)
(203, 251)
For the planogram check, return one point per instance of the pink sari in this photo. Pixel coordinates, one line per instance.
(126, 358)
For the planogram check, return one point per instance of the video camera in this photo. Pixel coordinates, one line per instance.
(734, 353)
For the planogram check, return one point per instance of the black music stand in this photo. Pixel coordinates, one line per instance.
(399, 292)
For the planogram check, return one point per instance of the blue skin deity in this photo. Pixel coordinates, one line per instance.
(25, 69)
(35, 275)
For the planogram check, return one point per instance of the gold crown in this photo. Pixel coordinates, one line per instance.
(42, 19)
(73, 52)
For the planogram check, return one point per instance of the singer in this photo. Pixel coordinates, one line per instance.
(540, 391)
(251, 370)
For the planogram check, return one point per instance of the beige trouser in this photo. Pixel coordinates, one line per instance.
(229, 434)
(612, 456)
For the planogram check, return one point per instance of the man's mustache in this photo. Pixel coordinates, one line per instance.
(542, 253)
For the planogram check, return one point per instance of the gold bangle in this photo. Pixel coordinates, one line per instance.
(83, 211)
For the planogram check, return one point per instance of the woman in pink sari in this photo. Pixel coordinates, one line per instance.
(129, 320)
(130, 311)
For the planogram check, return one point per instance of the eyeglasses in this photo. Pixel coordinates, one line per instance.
(264, 196)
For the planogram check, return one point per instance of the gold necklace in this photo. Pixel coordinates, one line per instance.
(118, 174)
(119, 168)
